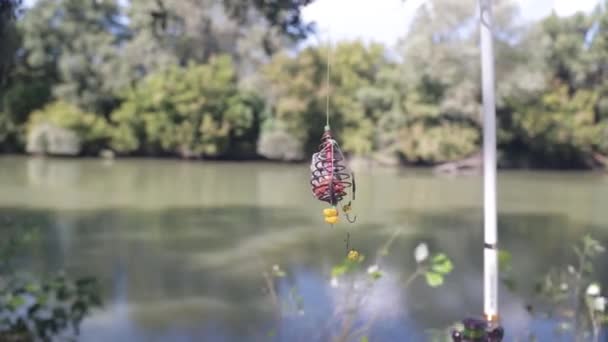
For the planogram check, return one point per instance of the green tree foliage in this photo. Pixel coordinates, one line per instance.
(88, 53)
(422, 142)
(596, 59)
(170, 32)
(8, 36)
(438, 84)
(296, 89)
(561, 124)
(285, 15)
(563, 44)
(549, 86)
(191, 112)
(558, 129)
(151, 70)
(91, 130)
(73, 43)
(14, 110)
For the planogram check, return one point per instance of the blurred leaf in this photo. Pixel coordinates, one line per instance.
(433, 279)
(32, 288)
(338, 270)
(592, 246)
(441, 264)
(15, 302)
(71, 302)
(504, 261)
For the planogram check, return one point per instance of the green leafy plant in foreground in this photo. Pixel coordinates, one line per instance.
(356, 280)
(32, 309)
(568, 293)
(573, 293)
(46, 311)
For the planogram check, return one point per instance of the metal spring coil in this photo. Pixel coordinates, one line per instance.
(329, 175)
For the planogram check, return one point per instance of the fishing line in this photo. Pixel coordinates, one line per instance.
(327, 127)
(327, 84)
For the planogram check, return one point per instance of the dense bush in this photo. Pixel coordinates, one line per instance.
(62, 128)
(559, 129)
(196, 111)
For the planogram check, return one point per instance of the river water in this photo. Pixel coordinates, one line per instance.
(180, 248)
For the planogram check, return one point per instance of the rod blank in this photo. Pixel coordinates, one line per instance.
(489, 162)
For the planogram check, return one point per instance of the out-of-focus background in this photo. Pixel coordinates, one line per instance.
(154, 183)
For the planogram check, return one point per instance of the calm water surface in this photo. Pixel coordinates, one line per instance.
(180, 247)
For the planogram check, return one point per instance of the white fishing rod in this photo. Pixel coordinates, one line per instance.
(490, 270)
(487, 330)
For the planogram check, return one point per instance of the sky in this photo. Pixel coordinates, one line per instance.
(387, 20)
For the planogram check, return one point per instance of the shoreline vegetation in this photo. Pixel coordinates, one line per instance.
(472, 165)
(168, 79)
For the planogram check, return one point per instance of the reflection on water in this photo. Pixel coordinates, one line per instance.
(180, 247)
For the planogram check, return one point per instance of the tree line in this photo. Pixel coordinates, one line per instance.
(230, 79)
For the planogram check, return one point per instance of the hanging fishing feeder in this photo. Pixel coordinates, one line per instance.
(331, 178)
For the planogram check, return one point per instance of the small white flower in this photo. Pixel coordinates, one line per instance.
(373, 269)
(593, 290)
(334, 282)
(563, 286)
(571, 269)
(599, 304)
(276, 268)
(421, 252)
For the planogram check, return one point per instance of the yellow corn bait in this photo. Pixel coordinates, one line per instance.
(353, 255)
(328, 212)
(332, 219)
